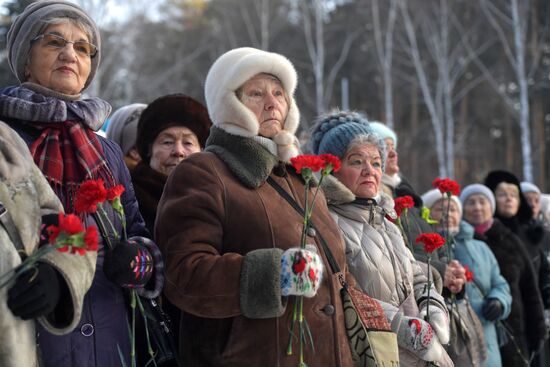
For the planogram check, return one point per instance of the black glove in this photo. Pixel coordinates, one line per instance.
(47, 220)
(492, 309)
(35, 292)
(129, 264)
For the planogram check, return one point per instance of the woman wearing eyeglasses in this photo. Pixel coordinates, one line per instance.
(54, 50)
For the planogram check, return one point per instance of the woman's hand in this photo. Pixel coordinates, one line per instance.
(129, 264)
(301, 272)
(418, 336)
(455, 277)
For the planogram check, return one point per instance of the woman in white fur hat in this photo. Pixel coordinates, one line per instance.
(225, 232)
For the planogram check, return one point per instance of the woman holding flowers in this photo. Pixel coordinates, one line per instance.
(53, 48)
(232, 242)
(55, 294)
(488, 292)
(377, 256)
(526, 319)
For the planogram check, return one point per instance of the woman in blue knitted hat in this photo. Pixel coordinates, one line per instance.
(53, 48)
(376, 253)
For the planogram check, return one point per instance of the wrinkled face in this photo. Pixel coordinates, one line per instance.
(361, 170)
(507, 196)
(439, 211)
(172, 146)
(63, 70)
(477, 209)
(392, 166)
(533, 199)
(264, 95)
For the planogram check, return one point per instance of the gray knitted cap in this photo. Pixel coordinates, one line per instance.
(30, 23)
(478, 189)
(123, 126)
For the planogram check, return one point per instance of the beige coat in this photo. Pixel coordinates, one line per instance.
(27, 196)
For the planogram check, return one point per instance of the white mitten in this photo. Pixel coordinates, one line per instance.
(301, 272)
(439, 321)
(417, 336)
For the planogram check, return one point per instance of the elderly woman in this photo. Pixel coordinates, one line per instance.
(170, 129)
(122, 129)
(53, 49)
(53, 295)
(224, 231)
(376, 253)
(489, 293)
(526, 319)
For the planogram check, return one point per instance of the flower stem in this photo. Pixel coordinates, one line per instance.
(429, 286)
(301, 324)
(103, 216)
(292, 323)
(133, 335)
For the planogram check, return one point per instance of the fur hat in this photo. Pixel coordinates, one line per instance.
(31, 23)
(529, 187)
(478, 189)
(123, 125)
(384, 132)
(333, 132)
(433, 196)
(168, 111)
(228, 73)
(494, 178)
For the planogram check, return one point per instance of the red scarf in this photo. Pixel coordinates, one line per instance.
(67, 154)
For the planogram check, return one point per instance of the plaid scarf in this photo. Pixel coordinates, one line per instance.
(67, 154)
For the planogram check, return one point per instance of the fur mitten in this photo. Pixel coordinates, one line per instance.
(439, 320)
(417, 336)
(129, 264)
(301, 272)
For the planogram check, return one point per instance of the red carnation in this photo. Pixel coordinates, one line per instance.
(70, 224)
(114, 192)
(431, 241)
(91, 239)
(446, 185)
(403, 202)
(331, 160)
(90, 193)
(469, 274)
(313, 162)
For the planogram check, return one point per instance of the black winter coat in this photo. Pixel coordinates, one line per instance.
(526, 319)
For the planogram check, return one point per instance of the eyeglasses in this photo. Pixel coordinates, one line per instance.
(58, 42)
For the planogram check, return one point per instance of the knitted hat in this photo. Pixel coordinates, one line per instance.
(31, 23)
(545, 203)
(433, 196)
(333, 132)
(168, 111)
(384, 132)
(228, 73)
(494, 178)
(529, 187)
(478, 189)
(123, 125)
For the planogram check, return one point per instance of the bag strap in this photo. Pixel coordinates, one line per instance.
(332, 262)
(104, 232)
(6, 221)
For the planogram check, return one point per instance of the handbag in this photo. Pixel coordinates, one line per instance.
(371, 341)
(467, 343)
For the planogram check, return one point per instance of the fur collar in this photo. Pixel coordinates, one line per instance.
(338, 194)
(251, 162)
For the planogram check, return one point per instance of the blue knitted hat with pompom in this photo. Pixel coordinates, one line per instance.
(333, 132)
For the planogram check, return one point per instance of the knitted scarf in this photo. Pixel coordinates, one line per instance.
(67, 151)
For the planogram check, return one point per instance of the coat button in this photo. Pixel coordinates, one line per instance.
(311, 232)
(87, 329)
(328, 310)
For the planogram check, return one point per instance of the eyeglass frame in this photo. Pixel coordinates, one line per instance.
(41, 36)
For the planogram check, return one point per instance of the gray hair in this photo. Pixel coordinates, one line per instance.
(369, 139)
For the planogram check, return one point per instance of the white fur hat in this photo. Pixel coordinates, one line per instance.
(433, 196)
(228, 73)
(529, 187)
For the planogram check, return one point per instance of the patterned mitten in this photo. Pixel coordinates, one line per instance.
(129, 264)
(417, 336)
(439, 321)
(301, 272)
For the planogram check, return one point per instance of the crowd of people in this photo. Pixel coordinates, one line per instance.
(213, 222)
